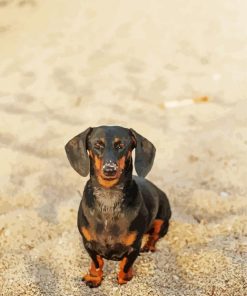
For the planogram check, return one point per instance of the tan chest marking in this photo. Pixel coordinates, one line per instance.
(88, 236)
(129, 238)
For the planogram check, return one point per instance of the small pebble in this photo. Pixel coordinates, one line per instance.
(224, 194)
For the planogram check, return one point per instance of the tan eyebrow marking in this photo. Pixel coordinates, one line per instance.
(116, 140)
(101, 141)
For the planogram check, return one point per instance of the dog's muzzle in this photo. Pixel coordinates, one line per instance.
(110, 168)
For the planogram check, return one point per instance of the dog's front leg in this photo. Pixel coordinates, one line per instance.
(126, 271)
(94, 278)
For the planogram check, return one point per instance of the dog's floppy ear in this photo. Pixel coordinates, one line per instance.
(144, 154)
(76, 150)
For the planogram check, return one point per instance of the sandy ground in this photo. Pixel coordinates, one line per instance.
(67, 65)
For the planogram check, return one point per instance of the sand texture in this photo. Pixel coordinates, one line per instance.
(66, 65)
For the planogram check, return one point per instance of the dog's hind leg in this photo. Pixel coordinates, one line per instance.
(160, 225)
(158, 230)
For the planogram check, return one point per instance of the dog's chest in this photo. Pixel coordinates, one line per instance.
(106, 219)
(108, 201)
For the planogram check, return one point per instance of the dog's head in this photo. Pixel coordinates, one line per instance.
(110, 150)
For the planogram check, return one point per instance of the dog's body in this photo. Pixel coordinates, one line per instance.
(114, 218)
(117, 209)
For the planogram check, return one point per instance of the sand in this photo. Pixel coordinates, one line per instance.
(67, 65)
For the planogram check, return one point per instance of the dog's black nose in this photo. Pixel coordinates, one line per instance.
(110, 168)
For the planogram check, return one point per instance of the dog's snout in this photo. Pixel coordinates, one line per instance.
(110, 168)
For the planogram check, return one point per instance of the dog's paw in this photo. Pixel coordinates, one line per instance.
(148, 248)
(92, 281)
(124, 278)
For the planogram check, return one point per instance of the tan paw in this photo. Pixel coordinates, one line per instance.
(92, 281)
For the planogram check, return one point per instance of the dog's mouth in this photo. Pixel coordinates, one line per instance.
(110, 175)
(107, 179)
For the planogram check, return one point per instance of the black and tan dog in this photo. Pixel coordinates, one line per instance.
(117, 209)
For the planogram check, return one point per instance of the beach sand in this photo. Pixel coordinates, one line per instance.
(67, 65)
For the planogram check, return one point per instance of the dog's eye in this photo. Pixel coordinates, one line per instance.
(118, 146)
(98, 146)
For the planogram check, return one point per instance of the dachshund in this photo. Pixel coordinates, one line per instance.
(117, 209)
